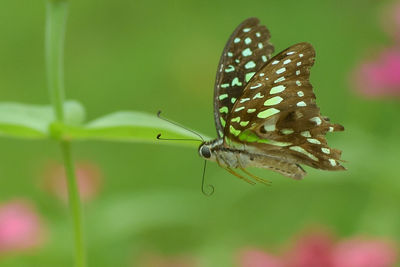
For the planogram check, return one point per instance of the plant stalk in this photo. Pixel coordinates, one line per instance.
(56, 17)
(75, 205)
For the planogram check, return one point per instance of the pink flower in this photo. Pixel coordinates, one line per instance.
(258, 258)
(20, 227)
(365, 253)
(88, 178)
(319, 250)
(312, 250)
(380, 77)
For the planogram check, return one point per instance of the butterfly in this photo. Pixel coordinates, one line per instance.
(265, 111)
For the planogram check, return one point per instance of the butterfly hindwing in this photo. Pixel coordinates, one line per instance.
(277, 112)
(246, 51)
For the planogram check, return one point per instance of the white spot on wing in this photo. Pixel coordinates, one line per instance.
(269, 127)
(287, 131)
(244, 100)
(247, 52)
(256, 86)
(326, 150)
(250, 65)
(281, 70)
(303, 151)
(258, 95)
(264, 58)
(313, 141)
(332, 162)
(301, 104)
(317, 120)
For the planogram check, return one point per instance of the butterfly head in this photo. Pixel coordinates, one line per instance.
(208, 150)
(205, 150)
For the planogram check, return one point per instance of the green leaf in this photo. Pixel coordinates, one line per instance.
(33, 121)
(130, 126)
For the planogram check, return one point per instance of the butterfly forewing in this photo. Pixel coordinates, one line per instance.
(246, 51)
(277, 112)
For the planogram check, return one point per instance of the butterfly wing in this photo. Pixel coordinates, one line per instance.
(246, 51)
(277, 113)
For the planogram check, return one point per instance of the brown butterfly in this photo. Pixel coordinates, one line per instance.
(265, 111)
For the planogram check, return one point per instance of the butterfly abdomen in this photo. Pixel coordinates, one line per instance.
(237, 158)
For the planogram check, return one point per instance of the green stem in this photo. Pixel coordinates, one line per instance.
(75, 205)
(56, 19)
(54, 50)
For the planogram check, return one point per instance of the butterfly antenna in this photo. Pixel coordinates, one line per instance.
(175, 139)
(179, 125)
(203, 187)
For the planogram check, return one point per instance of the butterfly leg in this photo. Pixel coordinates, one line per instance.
(240, 176)
(258, 179)
(235, 173)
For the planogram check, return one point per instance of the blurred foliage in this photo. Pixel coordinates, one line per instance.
(146, 56)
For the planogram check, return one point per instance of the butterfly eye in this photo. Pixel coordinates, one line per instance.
(205, 151)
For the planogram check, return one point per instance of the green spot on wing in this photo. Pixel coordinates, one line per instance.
(236, 81)
(244, 123)
(249, 75)
(223, 123)
(248, 136)
(223, 96)
(277, 89)
(230, 68)
(273, 101)
(263, 141)
(234, 131)
(267, 113)
(237, 119)
(223, 110)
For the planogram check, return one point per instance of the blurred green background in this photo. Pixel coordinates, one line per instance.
(151, 55)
